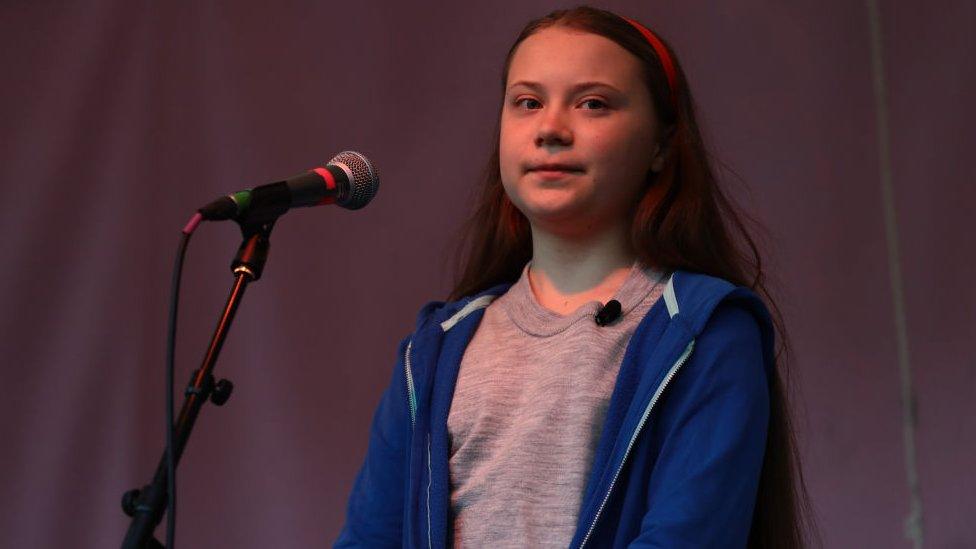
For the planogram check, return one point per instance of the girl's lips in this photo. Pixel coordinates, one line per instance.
(555, 167)
(555, 174)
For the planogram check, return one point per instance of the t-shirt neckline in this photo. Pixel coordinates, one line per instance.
(522, 307)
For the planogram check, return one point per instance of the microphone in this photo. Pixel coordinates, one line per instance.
(348, 180)
(609, 313)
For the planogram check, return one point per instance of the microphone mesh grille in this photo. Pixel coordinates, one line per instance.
(364, 183)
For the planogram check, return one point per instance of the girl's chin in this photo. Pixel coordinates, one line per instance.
(557, 209)
(565, 219)
(554, 202)
(554, 211)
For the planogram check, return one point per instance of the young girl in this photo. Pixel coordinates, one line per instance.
(603, 375)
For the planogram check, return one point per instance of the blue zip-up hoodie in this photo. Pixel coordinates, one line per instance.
(680, 454)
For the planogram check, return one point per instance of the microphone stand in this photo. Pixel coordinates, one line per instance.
(146, 506)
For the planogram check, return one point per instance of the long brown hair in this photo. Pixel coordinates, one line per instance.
(685, 221)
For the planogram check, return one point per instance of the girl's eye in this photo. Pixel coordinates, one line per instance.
(598, 104)
(533, 104)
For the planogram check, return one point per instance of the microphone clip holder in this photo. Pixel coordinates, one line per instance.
(253, 252)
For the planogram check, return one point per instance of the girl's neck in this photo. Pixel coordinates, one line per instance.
(567, 272)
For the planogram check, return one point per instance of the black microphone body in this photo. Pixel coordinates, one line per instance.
(348, 180)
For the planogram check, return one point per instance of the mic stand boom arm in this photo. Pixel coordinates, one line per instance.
(146, 506)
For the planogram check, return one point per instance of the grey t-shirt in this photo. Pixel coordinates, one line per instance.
(529, 405)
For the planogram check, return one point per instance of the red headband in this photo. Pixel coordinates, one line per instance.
(662, 54)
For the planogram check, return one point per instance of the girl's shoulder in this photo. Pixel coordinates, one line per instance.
(694, 297)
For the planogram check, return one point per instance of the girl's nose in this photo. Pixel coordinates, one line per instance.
(553, 130)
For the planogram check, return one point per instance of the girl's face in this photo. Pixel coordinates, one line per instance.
(575, 101)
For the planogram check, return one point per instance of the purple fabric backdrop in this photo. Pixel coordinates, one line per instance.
(120, 118)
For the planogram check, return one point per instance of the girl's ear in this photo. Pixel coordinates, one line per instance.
(660, 155)
(662, 150)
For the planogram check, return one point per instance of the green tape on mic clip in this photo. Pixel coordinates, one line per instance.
(242, 199)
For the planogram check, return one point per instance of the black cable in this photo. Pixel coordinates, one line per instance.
(174, 300)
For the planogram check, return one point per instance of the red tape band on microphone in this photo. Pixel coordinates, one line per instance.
(330, 184)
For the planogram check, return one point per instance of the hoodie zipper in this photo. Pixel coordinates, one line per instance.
(633, 438)
(411, 393)
(412, 399)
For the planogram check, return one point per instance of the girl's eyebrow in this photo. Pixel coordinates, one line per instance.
(575, 89)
